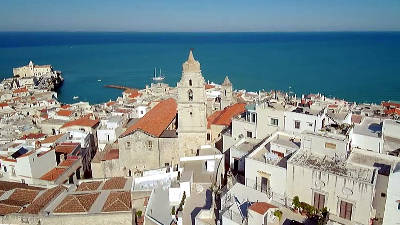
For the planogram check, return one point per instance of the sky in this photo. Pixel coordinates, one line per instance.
(200, 15)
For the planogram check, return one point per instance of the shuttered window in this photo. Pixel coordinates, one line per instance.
(319, 201)
(346, 210)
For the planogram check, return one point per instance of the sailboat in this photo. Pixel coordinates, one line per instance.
(160, 77)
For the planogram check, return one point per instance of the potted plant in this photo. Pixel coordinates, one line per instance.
(278, 213)
(296, 203)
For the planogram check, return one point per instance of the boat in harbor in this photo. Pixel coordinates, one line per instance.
(75, 97)
(160, 77)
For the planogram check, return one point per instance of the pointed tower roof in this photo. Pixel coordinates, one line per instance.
(227, 82)
(191, 64)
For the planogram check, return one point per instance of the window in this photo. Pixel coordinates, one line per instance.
(5, 169)
(225, 93)
(128, 144)
(253, 117)
(319, 201)
(249, 134)
(398, 206)
(383, 195)
(208, 136)
(190, 95)
(274, 122)
(297, 124)
(149, 144)
(190, 82)
(346, 209)
(330, 145)
(309, 124)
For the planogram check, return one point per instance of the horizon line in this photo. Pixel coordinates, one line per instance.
(127, 31)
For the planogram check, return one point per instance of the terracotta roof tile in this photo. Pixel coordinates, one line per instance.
(76, 203)
(117, 202)
(7, 209)
(51, 139)
(89, 186)
(209, 86)
(67, 162)
(132, 93)
(21, 197)
(53, 174)
(156, 120)
(3, 104)
(32, 136)
(43, 200)
(20, 90)
(82, 122)
(225, 116)
(111, 154)
(65, 106)
(114, 183)
(261, 207)
(66, 148)
(64, 112)
(7, 185)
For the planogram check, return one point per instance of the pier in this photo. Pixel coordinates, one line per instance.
(117, 87)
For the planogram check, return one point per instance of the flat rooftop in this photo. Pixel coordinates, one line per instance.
(338, 167)
(247, 145)
(369, 127)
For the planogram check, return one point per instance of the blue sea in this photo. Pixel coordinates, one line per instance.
(356, 66)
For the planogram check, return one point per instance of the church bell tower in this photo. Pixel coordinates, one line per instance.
(192, 122)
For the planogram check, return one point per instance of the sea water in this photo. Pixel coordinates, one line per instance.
(356, 66)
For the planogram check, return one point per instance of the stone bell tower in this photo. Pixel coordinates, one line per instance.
(226, 95)
(192, 122)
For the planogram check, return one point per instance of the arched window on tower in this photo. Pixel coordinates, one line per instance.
(225, 93)
(190, 94)
(190, 82)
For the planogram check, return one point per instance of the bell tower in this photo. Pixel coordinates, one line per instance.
(226, 95)
(192, 122)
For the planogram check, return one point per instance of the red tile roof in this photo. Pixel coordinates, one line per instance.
(118, 201)
(209, 86)
(65, 106)
(89, 186)
(82, 122)
(67, 162)
(66, 148)
(7, 185)
(110, 103)
(133, 93)
(225, 116)
(391, 104)
(76, 203)
(7, 209)
(20, 90)
(3, 104)
(43, 200)
(156, 120)
(114, 183)
(53, 174)
(23, 196)
(32, 136)
(51, 139)
(111, 154)
(261, 207)
(64, 112)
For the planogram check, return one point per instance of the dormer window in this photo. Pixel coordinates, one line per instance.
(190, 94)
(190, 82)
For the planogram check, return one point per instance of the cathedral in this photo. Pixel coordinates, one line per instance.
(192, 121)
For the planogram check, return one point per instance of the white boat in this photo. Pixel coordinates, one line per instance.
(99, 80)
(75, 97)
(160, 77)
